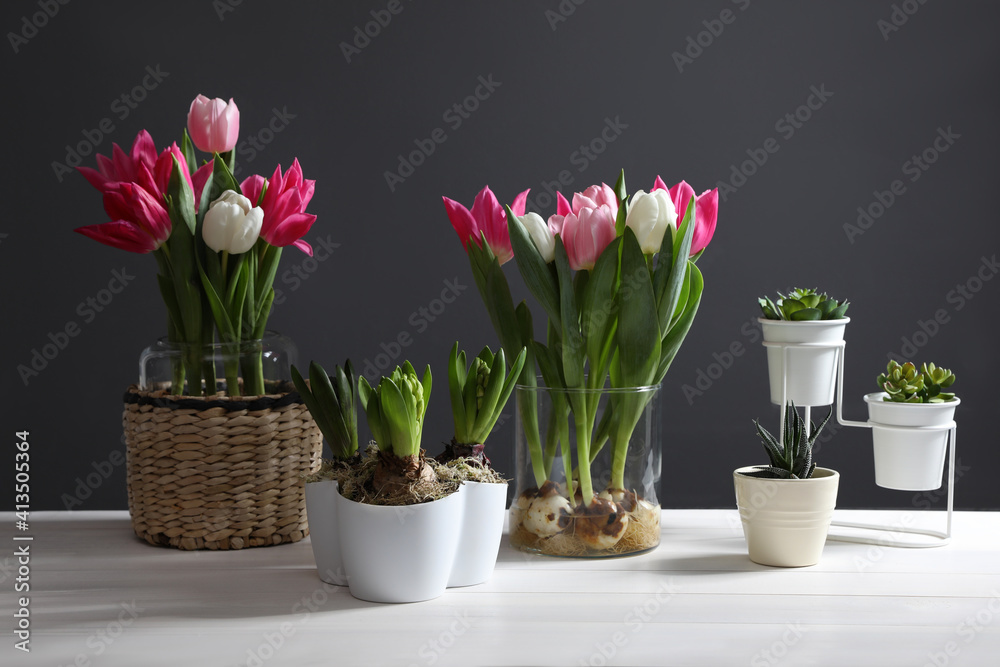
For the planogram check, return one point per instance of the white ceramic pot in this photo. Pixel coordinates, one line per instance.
(321, 510)
(910, 442)
(812, 373)
(482, 529)
(785, 521)
(400, 554)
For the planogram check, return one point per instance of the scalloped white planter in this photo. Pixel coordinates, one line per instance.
(410, 553)
(785, 521)
(909, 459)
(812, 373)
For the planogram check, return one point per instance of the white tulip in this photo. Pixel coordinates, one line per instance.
(232, 223)
(540, 234)
(649, 216)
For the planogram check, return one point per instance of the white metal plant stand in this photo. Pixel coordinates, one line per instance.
(889, 537)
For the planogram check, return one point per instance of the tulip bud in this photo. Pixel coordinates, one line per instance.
(232, 223)
(649, 216)
(213, 125)
(540, 234)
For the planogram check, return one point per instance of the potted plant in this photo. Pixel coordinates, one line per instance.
(812, 325)
(786, 506)
(478, 395)
(332, 400)
(910, 419)
(587, 439)
(217, 245)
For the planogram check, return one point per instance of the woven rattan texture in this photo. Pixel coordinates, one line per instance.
(215, 477)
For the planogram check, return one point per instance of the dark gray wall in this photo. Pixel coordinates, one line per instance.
(893, 77)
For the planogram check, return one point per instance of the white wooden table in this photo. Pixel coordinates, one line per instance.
(101, 597)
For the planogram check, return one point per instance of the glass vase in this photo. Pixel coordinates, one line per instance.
(247, 368)
(605, 506)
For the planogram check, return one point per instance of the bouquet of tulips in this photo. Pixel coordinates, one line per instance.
(616, 276)
(217, 243)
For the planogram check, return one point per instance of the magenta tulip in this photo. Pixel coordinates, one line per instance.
(487, 218)
(122, 167)
(706, 211)
(139, 221)
(284, 204)
(213, 125)
(586, 235)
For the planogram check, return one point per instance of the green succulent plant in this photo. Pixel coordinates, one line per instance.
(803, 305)
(905, 384)
(792, 459)
(332, 401)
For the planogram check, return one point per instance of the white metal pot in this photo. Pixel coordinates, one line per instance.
(324, 533)
(400, 554)
(785, 521)
(910, 442)
(482, 529)
(811, 372)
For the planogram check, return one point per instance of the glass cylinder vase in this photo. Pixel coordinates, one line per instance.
(587, 466)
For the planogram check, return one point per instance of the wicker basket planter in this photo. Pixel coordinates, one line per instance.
(218, 472)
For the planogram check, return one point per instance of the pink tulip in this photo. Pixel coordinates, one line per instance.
(165, 164)
(139, 221)
(213, 125)
(706, 211)
(586, 235)
(285, 202)
(595, 196)
(122, 167)
(488, 218)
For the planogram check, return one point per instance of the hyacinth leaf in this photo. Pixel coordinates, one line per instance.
(491, 394)
(537, 274)
(456, 385)
(330, 406)
(426, 383)
(638, 334)
(839, 312)
(668, 277)
(347, 390)
(398, 418)
(810, 300)
(806, 315)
